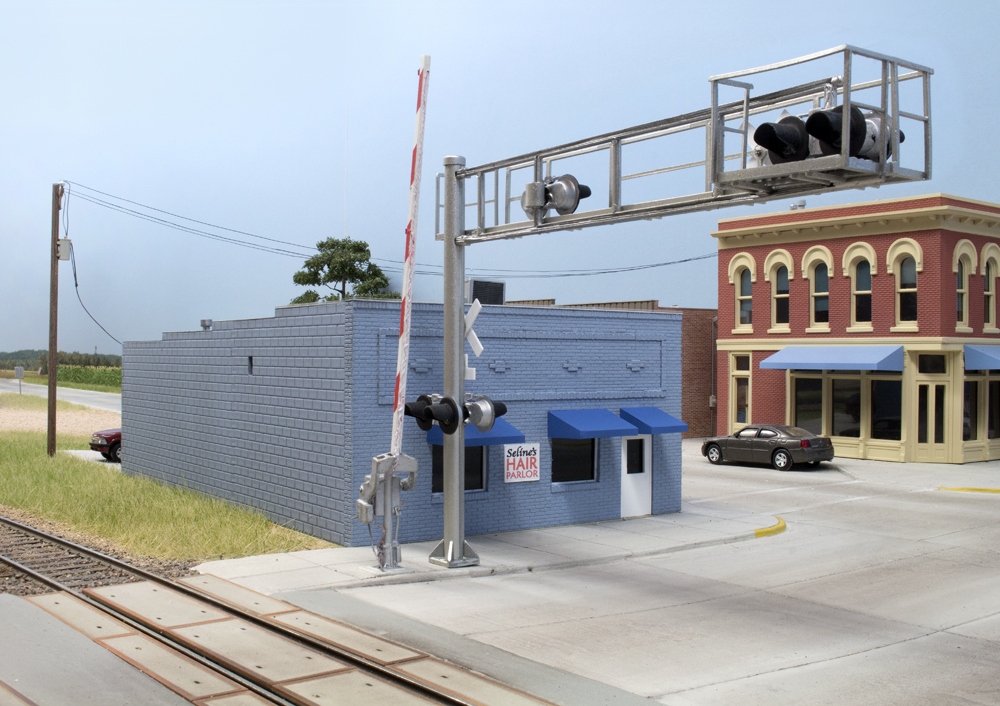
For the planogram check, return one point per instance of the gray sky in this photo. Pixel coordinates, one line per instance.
(250, 114)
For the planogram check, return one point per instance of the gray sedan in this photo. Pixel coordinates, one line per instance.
(781, 446)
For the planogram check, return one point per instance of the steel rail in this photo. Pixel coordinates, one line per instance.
(389, 674)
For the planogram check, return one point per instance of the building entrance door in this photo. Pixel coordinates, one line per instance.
(931, 422)
(637, 475)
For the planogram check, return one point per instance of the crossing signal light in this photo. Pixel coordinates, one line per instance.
(434, 408)
(561, 193)
(483, 412)
(788, 140)
(826, 125)
(785, 140)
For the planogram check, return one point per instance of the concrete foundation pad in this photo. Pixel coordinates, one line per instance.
(51, 663)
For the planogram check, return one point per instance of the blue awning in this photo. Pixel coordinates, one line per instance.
(588, 424)
(836, 358)
(652, 420)
(503, 432)
(982, 357)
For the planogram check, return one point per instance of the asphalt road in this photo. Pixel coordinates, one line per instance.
(885, 589)
(99, 400)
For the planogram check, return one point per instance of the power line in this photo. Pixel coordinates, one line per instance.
(308, 251)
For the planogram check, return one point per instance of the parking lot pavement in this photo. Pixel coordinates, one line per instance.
(885, 589)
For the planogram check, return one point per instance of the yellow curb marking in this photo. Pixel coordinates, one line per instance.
(974, 490)
(773, 529)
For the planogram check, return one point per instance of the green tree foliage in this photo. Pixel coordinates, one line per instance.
(339, 263)
(39, 359)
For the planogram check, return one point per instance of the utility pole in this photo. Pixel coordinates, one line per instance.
(57, 193)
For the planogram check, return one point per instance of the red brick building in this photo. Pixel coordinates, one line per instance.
(872, 323)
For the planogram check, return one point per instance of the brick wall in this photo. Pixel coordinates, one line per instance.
(935, 289)
(295, 439)
(193, 416)
(698, 373)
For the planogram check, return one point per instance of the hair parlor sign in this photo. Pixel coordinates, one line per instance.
(520, 462)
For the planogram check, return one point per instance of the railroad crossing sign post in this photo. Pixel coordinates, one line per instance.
(781, 160)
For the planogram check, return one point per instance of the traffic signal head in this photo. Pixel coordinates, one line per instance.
(483, 412)
(561, 193)
(785, 140)
(825, 126)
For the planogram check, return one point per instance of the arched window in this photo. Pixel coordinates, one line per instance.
(990, 258)
(963, 264)
(743, 275)
(989, 294)
(906, 290)
(820, 296)
(861, 293)
(817, 267)
(904, 261)
(744, 298)
(961, 295)
(780, 297)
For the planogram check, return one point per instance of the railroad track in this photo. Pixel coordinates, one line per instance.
(237, 641)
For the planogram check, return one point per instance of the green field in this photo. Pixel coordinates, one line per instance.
(139, 515)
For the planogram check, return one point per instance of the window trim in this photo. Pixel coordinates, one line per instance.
(990, 253)
(899, 251)
(774, 260)
(785, 327)
(965, 256)
(735, 374)
(739, 262)
(816, 255)
(853, 256)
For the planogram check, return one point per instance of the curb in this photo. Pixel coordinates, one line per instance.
(482, 571)
(974, 490)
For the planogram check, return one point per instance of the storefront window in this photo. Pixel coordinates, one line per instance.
(742, 387)
(970, 414)
(475, 468)
(993, 432)
(809, 404)
(886, 409)
(846, 407)
(573, 460)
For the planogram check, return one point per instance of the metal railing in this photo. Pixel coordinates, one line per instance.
(743, 184)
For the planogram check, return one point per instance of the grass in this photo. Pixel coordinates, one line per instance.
(139, 515)
(12, 400)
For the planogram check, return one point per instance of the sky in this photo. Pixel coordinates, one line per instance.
(294, 121)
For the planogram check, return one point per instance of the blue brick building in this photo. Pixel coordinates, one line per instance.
(284, 414)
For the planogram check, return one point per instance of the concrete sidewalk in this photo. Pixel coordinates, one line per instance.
(507, 553)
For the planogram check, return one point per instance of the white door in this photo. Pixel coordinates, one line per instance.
(637, 475)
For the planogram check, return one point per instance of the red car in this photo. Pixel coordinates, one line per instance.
(109, 443)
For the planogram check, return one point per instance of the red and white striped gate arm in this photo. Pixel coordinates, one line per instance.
(403, 354)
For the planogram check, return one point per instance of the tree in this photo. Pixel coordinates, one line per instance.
(341, 262)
